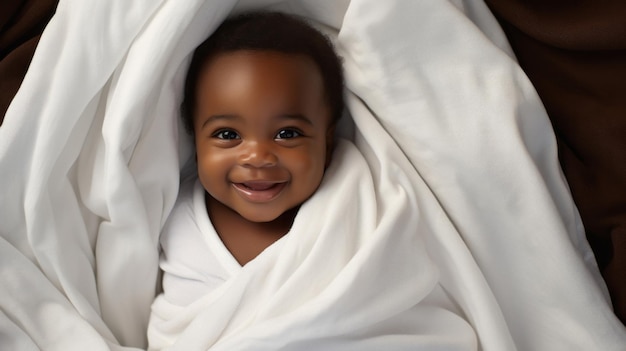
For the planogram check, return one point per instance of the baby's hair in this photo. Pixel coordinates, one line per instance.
(268, 31)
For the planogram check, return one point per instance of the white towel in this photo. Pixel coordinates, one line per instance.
(90, 152)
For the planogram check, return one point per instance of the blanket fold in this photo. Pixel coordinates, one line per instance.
(316, 287)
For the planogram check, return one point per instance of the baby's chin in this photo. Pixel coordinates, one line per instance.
(270, 217)
(256, 218)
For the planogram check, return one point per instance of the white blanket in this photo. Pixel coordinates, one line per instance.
(462, 233)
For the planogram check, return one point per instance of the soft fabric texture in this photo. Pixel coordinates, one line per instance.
(550, 49)
(194, 260)
(21, 24)
(450, 138)
(575, 56)
(358, 279)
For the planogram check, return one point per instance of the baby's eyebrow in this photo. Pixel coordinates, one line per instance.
(297, 117)
(214, 118)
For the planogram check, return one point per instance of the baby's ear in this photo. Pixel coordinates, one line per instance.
(330, 144)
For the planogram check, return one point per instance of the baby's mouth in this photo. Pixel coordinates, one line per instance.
(259, 186)
(259, 191)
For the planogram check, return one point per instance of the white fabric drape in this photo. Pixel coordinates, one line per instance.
(90, 153)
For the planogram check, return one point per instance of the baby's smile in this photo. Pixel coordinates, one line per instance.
(260, 191)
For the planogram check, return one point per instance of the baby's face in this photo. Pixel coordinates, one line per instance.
(261, 130)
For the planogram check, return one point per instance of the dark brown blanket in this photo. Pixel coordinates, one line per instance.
(574, 53)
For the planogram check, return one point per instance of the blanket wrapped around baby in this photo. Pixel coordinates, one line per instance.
(443, 223)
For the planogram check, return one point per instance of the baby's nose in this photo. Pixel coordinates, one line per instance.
(258, 154)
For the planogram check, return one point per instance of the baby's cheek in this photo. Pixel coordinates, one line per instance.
(314, 170)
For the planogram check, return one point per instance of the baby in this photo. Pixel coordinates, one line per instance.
(262, 97)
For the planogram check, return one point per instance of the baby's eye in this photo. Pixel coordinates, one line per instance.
(288, 134)
(226, 134)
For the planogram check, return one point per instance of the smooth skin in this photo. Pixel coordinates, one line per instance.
(263, 137)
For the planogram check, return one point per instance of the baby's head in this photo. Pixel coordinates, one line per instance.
(262, 98)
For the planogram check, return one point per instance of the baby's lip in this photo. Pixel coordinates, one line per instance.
(259, 190)
(260, 185)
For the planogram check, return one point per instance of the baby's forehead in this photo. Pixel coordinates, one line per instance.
(266, 65)
(281, 61)
(258, 78)
(266, 69)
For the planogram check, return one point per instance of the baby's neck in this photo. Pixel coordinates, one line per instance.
(243, 238)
